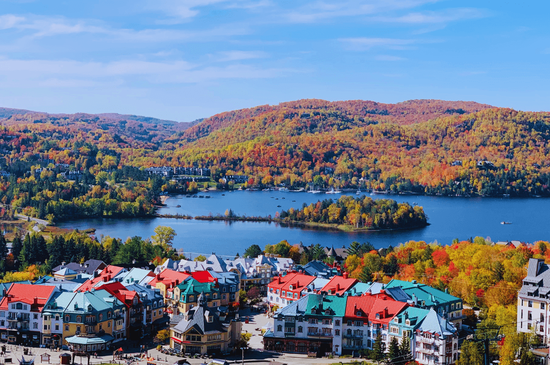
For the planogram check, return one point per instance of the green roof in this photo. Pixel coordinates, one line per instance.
(318, 304)
(423, 292)
(193, 287)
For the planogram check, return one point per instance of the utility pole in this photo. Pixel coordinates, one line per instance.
(487, 335)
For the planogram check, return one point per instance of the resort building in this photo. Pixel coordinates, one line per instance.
(533, 300)
(201, 331)
(286, 289)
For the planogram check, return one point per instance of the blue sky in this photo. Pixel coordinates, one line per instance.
(186, 59)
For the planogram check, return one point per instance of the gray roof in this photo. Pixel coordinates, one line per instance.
(197, 318)
(537, 281)
(398, 294)
(88, 267)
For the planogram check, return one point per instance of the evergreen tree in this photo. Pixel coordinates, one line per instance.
(353, 249)
(405, 350)
(3, 253)
(16, 247)
(377, 353)
(56, 249)
(253, 251)
(366, 274)
(394, 353)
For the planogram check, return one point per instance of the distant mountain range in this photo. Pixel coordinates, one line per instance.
(419, 146)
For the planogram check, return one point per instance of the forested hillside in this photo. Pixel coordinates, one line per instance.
(418, 146)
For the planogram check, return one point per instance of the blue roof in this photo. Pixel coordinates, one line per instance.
(424, 293)
(296, 308)
(434, 323)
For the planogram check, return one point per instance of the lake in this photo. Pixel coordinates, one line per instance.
(449, 218)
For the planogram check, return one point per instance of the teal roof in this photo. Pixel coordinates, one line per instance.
(193, 287)
(99, 300)
(359, 289)
(59, 301)
(414, 315)
(424, 293)
(318, 304)
(78, 340)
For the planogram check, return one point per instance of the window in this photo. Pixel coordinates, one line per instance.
(35, 316)
(78, 319)
(300, 329)
(18, 306)
(541, 317)
(279, 328)
(337, 332)
(67, 318)
(109, 324)
(530, 303)
(337, 322)
(109, 315)
(57, 327)
(66, 327)
(57, 317)
(529, 315)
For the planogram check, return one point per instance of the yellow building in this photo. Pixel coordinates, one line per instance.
(202, 332)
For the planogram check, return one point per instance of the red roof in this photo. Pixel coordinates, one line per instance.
(169, 278)
(297, 280)
(380, 308)
(339, 285)
(203, 276)
(35, 295)
(120, 292)
(104, 276)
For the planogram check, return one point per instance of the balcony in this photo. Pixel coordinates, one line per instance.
(319, 334)
(91, 321)
(353, 336)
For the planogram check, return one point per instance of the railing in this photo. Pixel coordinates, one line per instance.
(319, 334)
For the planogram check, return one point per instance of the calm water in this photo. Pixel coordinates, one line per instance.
(449, 218)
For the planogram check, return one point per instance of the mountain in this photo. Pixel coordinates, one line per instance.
(408, 112)
(417, 146)
(126, 127)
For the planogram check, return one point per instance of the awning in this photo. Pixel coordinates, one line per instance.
(96, 340)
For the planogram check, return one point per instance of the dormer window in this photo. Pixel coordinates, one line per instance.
(291, 287)
(408, 322)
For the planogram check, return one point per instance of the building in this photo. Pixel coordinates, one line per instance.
(228, 285)
(21, 309)
(533, 300)
(368, 316)
(424, 296)
(321, 324)
(153, 306)
(88, 267)
(285, 289)
(339, 284)
(202, 332)
(435, 341)
(93, 320)
(312, 324)
(108, 274)
(166, 281)
(190, 291)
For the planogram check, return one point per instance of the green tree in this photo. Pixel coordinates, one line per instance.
(377, 352)
(164, 236)
(253, 251)
(405, 350)
(201, 258)
(394, 352)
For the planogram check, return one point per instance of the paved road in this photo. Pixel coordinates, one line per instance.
(26, 218)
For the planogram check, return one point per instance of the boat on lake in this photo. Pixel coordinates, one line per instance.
(504, 222)
(332, 191)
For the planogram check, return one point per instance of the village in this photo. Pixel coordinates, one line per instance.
(244, 310)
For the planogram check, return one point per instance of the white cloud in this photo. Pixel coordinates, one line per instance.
(240, 55)
(433, 17)
(74, 73)
(40, 27)
(8, 21)
(321, 10)
(362, 44)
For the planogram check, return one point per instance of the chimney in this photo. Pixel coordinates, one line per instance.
(386, 312)
(345, 275)
(157, 277)
(177, 282)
